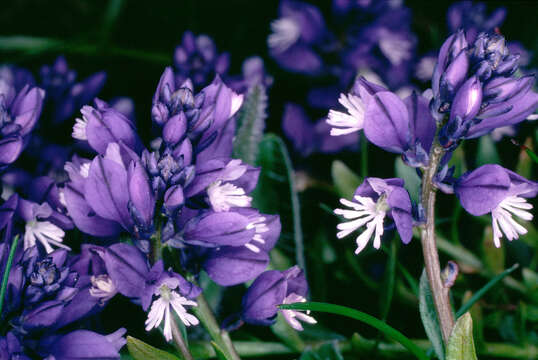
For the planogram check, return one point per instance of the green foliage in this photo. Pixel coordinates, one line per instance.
(365, 318)
(250, 125)
(221, 355)
(461, 345)
(6, 271)
(344, 179)
(410, 177)
(276, 193)
(428, 315)
(139, 350)
(325, 352)
(287, 334)
(487, 152)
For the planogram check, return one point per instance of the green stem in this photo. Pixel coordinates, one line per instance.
(204, 313)
(429, 247)
(5, 276)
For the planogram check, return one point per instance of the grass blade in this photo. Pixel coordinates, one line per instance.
(362, 317)
(5, 276)
(465, 307)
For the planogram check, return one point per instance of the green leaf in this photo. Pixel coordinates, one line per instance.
(287, 334)
(139, 350)
(219, 352)
(276, 193)
(487, 152)
(428, 314)
(485, 289)
(251, 123)
(461, 345)
(344, 179)
(526, 160)
(410, 177)
(365, 318)
(492, 256)
(388, 281)
(325, 352)
(5, 276)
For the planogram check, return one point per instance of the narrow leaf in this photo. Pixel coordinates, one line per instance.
(388, 282)
(276, 193)
(344, 179)
(365, 318)
(5, 276)
(221, 355)
(461, 345)
(251, 123)
(485, 289)
(139, 350)
(428, 314)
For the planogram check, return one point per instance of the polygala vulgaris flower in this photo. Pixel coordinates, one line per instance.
(273, 288)
(375, 200)
(501, 192)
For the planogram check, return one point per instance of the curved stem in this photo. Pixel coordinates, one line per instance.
(429, 246)
(204, 313)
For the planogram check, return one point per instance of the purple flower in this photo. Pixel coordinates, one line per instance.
(64, 92)
(501, 192)
(19, 112)
(83, 344)
(197, 59)
(472, 17)
(299, 27)
(273, 288)
(102, 125)
(373, 201)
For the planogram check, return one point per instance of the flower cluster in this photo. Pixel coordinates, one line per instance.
(359, 37)
(474, 91)
(160, 214)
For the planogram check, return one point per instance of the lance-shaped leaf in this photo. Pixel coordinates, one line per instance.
(344, 179)
(461, 345)
(139, 350)
(251, 123)
(429, 316)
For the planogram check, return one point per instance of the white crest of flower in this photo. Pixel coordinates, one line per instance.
(285, 33)
(160, 309)
(46, 233)
(293, 316)
(260, 227)
(224, 196)
(364, 211)
(79, 129)
(103, 288)
(85, 170)
(397, 48)
(503, 222)
(233, 170)
(346, 123)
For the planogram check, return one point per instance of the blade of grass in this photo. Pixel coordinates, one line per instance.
(365, 318)
(5, 276)
(465, 307)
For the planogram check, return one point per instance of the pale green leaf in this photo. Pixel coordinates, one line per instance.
(344, 179)
(461, 345)
(428, 315)
(139, 350)
(410, 177)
